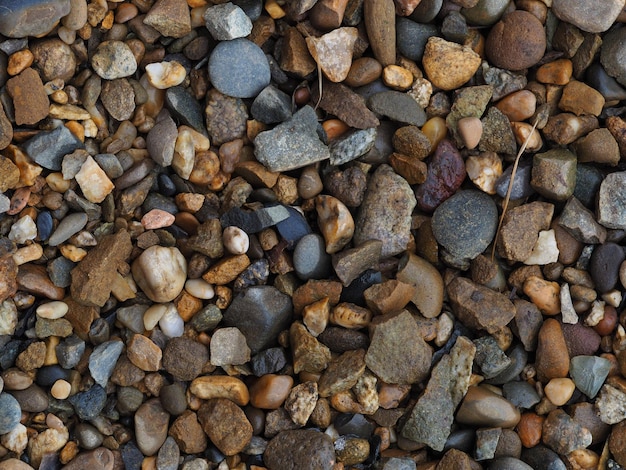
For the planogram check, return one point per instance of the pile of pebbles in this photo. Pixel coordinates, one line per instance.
(266, 234)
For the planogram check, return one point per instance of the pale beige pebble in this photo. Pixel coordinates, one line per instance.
(157, 218)
(335, 222)
(91, 129)
(61, 389)
(16, 441)
(522, 131)
(568, 312)
(152, 315)
(484, 170)
(235, 240)
(421, 91)
(545, 250)
(596, 314)
(163, 75)
(449, 65)
(200, 289)
(52, 310)
(350, 316)
(445, 326)
(160, 272)
(57, 183)
(220, 386)
(366, 392)
(28, 253)
(316, 315)
(23, 230)
(51, 441)
(613, 298)
(68, 112)
(397, 78)
(301, 402)
(59, 97)
(93, 181)
(559, 390)
(144, 353)
(333, 52)
(471, 130)
(124, 288)
(544, 294)
(184, 154)
(428, 297)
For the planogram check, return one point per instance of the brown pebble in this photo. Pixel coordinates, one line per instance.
(380, 24)
(226, 270)
(552, 357)
(518, 106)
(529, 429)
(226, 425)
(363, 71)
(34, 279)
(270, 391)
(29, 97)
(579, 98)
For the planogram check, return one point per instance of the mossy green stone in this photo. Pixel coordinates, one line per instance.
(554, 174)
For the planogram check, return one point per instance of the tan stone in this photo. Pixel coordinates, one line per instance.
(413, 170)
(144, 353)
(350, 316)
(397, 78)
(220, 386)
(558, 72)
(226, 425)
(295, 56)
(29, 97)
(579, 98)
(226, 270)
(389, 296)
(270, 391)
(544, 294)
(449, 65)
(315, 316)
(518, 106)
(333, 52)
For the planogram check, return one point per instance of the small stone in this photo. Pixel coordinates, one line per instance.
(151, 423)
(589, 373)
(482, 407)
(308, 353)
(238, 68)
(579, 98)
(350, 108)
(351, 146)
(271, 106)
(379, 19)
(310, 259)
(333, 52)
(228, 347)
(227, 21)
(350, 263)
(516, 42)
(518, 106)
(565, 128)
(219, 386)
(584, 15)
(478, 306)
(305, 449)
(397, 78)
(163, 75)
(47, 148)
(470, 130)
(113, 59)
(102, 361)
(497, 135)
(554, 174)
(335, 222)
(489, 357)
(580, 223)
(449, 65)
(226, 425)
(374, 221)
(188, 434)
(520, 229)
(93, 181)
(611, 201)
(559, 390)
(22, 230)
(184, 358)
(170, 18)
(90, 403)
(429, 292)
(16, 21)
(296, 136)
(50, 440)
(363, 71)
(144, 353)
(397, 106)
(295, 57)
(11, 413)
(29, 97)
(160, 272)
(226, 270)
(270, 391)
(563, 435)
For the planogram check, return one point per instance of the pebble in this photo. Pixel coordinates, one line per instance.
(103, 359)
(113, 59)
(151, 426)
(484, 408)
(11, 413)
(29, 98)
(583, 15)
(611, 208)
(563, 435)
(429, 292)
(243, 77)
(297, 135)
(471, 235)
(303, 448)
(160, 272)
(379, 19)
(363, 71)
(271, 106)
(374, 221)
(228, 347)
(589, 373)
(470, 129)
(449, 65)
(521, 394)
(554, 174)
(89, 404)
(516, 42)
(397, 106)
(348, 106)
(333, 52)
(310, 257)
(485, 13)
(227, 21)
(16, 21)
(580, 223)
(49, 147)
(226, 425)
(521, 227)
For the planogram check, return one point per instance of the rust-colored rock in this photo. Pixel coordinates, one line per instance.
(93, 278)
(34, 279)
(380, 23)
(552, 358)
(226, 425)
(29, 97)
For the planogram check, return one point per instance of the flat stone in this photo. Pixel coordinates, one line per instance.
(228, 347)
(333, 52)
(304, 449)
(31, 18)
(113, 59)
(552, 359)
(292, 144)
(554, 174)
(564, 435)
(47, 148)
(374, 221)
(170, 18)
(580, 223)
(11, 413)
(151, 423)
(431, 418)
(412, 36)
(271, 106)
(589, 373)
(390, 339)
(29, 97)
(226, 425)
(227, 21)
(489, 357)
(238, 68)
(90, 403)
(344, 103)
(309, 354)
(397, 106)
(520, 229)
(161, 140)
(482, 407)
(497, 135)
(586, 16)
(102, 361)
(351, 146)
(350, 263)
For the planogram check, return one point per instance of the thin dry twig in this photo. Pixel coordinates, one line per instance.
(507, 198)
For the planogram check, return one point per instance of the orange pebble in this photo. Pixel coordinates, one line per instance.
(335, 128)
(529, 429)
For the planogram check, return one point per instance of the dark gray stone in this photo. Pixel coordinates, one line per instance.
(168, 455)
(268, 361)
(521, 394)
(69, 351)
(254, 221)
(90, 403)
(489, 357)
(110, 164)
(542, 458)
(21, 18)
(260, 313)
(207, 318)
(397, 106)
(604, 266)
(161, 139)
(238, 68)
(185, 108)
(48, 148)
(519, 358)
(581, 223)
(411, 37)
(426, 11)
(310, 259)
(33, 399)
(294, 227)
(59, 270)
(271, 106)
(588, 181)
(353, 424)
(597, 78)
(70, 225)
(508, 463)
(173, 399)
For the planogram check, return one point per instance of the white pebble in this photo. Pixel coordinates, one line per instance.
(171, 324)
(200, 288)
(613, 298)
(236, 241)
(22, 230)
(152, 316)
(16, 439)
(52, 310)
(597, 313)
(545, 250)
(164, 75)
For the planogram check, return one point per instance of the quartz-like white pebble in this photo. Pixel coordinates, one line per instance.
(171, 324)
(163, 75)
(160, 272)
(568, 311)
(236, 241)
(23, 230)
(52, 310)
(613, 298)
(200, 288)
(152, 316)
(93, 181)
(597, 313)
(16, 439)
(545, 250)
(8, 317)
